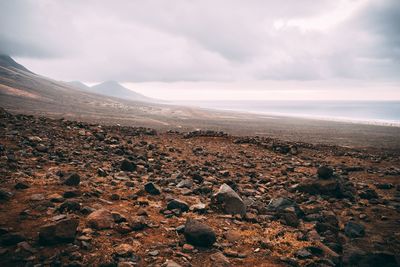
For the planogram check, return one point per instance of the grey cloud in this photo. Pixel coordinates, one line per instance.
(199, 40)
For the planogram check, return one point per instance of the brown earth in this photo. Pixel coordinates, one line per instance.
(41, 152)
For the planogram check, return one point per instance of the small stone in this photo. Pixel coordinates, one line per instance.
(37, 197)
(152, 189)
(72, 179)
(325, 172)
(154, 253)
(178, 204)
(124, 250)
(353, 229)
(21, 186)
(187, 248)
(128, 166)
(5, 195)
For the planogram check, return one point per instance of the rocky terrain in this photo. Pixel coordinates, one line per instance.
(80, 194)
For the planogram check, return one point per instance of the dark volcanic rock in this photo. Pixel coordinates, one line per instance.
(59, 232)
(325, 172)
(280, 204)
(128, 166)
(10, 239)
(353, 229)
(21, 185)
(5, 195)
(368, 194)
(228, 200)
(199, 234)
(178, 204)
(152, 189)
(72, 179)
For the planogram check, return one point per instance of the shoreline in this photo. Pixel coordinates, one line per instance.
(272, 115)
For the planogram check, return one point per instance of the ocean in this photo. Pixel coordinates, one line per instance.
(368, 112)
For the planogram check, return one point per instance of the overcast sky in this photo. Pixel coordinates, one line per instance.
(225, 42)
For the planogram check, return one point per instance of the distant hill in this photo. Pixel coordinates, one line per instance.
(113, 88)
(79, 85)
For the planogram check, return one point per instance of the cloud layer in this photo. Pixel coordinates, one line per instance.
(204, 40)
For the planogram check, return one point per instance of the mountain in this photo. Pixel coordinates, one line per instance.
(79, 85)
(22, 91)
(113, 88)
(8, 62)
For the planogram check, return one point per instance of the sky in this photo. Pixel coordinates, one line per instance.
(233, 49)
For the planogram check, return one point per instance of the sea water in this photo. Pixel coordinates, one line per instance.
(370, 112)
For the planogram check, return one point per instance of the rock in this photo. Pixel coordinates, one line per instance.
(70, 205)
(187, 248)
(154, 253)
(325, 172)
(37, 197)
(171, 263)
(185, 184)
(21, 185)
(303, 254)
(178, 204)
(289, 217)
(356, 257)
(152, 189)
(199, 234)
(228, 200)
(124, 250)
(100, 219)
(5, 195)
(368, 194)
(138, 223)
(219, 259)
(330, 187)
(128, 166)
(384, 186)
(72, 179)
(280, 204)
(101, 172)
(58, 232)
(353, 229)
(199, 208)
(10, 239)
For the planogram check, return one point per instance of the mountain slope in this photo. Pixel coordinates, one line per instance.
(113, 88)
(8, 62)
(79, 85)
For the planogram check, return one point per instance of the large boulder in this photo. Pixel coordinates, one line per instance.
(228, 200)
(199, 234)
(58, 232)
(100, 219)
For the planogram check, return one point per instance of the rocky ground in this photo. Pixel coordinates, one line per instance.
(78, 194)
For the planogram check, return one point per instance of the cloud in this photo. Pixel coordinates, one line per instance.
(203, 40)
